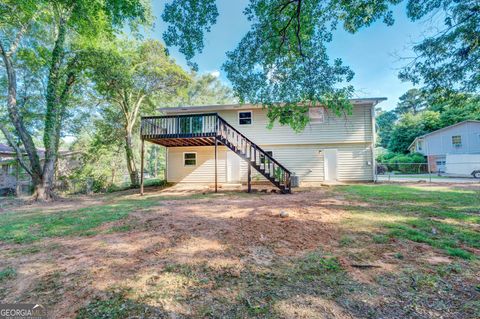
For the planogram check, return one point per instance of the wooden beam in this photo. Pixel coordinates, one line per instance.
(249, 178)
(216, 187)
(141, 167)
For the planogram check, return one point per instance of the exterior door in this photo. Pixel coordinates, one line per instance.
(233, 167)
(330, 159)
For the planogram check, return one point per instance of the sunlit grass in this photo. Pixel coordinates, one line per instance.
(425, 215)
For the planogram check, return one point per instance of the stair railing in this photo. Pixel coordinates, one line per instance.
(254, 153)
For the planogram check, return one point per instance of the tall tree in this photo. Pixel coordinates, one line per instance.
(414, 100)
(73, 25)
(385, 123)
(203, 90)
(410, 126)
(283, 58)
(131, 75)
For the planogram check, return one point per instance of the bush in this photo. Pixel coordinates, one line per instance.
(404, 163)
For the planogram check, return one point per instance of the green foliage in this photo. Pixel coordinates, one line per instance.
(282, 60)
(448, 58)
(33, 226)
(385, 122)
(7, 273)
(132, 77)
(205, 89)
(410, 126)
(116, 306)
(188, 20)
(394, 162)
(413, 101)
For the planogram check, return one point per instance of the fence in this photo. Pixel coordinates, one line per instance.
(457, 172)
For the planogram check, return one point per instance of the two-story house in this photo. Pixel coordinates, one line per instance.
(460, 138)
(232, 144)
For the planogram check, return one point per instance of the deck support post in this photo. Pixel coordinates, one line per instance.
(216, 177)
(249, 178)
(141, 166)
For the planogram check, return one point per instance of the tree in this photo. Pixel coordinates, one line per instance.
(410, 126)
(131, 75)
(385, 123)
(449, 57)
(205, 89)
(413, 101)
(283, 64)
(73, 25)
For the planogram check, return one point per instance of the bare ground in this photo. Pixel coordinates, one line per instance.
(209, 257)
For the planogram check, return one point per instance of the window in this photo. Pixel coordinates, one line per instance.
(189, 159)
(457, 140)
(262, 157)
(245, 118)
(420, 145)
(316, 114)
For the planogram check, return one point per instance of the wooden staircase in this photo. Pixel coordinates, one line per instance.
(210, 129)
(254, 155)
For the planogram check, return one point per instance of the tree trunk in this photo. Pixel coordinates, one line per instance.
(131, 166)
(54, 116)
(17, 120)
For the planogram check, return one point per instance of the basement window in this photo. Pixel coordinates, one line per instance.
(457, 140)
(189, 159)
(245, 118)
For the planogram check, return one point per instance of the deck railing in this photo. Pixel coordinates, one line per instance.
(216, 128)
(179, 126)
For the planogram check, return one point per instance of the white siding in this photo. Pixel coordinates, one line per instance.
(306, 161)
(440, 143)
(203, 172)
(353, 128)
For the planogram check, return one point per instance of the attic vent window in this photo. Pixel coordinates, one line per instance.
(457, 140)
(316, 114)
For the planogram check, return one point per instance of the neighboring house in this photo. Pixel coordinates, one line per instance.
(460, 138)
(331, 147)
(14, 180)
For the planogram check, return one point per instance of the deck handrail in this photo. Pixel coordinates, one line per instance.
(214, 126)
(255, 145)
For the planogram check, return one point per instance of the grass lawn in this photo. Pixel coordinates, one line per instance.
(356, 251)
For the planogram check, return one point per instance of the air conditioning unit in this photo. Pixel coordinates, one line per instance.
(294, 181)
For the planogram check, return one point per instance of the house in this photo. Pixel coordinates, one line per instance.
(232, 144)
(460, 138)
(14, 179)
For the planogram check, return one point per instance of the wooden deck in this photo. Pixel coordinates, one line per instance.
(211, 130)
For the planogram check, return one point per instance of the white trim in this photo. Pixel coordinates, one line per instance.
(219, 107)
(245, 111)
(196, 159)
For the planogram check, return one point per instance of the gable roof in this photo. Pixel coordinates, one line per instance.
(442, 129)
(449, 127)
(5, 149)
(219, 107)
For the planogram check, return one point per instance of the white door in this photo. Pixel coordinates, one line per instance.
(330, 164)
(233, 167)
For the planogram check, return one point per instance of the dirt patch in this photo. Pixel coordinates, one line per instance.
(170, 253)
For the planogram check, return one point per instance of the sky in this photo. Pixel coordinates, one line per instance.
(374, 53)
